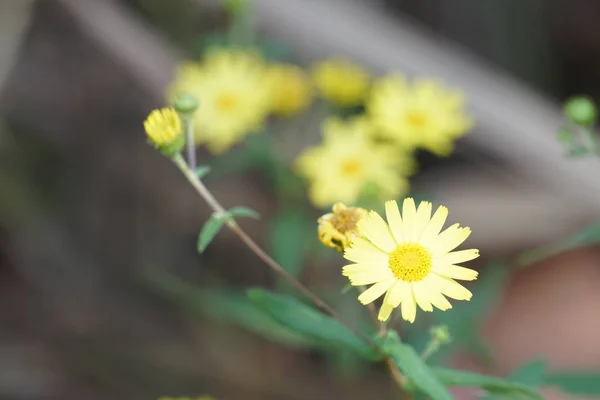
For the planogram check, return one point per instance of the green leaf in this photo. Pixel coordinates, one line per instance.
(202, 171)
(287, 239)
(309, 322)
(588, 236)
(414, 368)
(531, 374)
(576, 382)
(243, 212)
(225, 305)
(209, 230)
(493, 385)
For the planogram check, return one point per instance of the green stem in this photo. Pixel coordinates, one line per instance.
(188, 127)
(256, 249)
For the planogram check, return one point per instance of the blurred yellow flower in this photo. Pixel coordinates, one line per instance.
(409, 260)
(163, 126)
(233, 94)
(422, 114)
(347, 161)
(341, 82)
(291, 89)
(337, 228)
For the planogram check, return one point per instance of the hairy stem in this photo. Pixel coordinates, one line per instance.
(257, 250)
(203, 191)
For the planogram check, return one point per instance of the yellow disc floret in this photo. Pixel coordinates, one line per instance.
(410, 262)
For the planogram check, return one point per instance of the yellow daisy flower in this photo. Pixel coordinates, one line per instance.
(409, 260)
(341, 82)
(233, 95)
(337, 228)
(291, 89)
(347, 161)
(422, 114)
(163, 126)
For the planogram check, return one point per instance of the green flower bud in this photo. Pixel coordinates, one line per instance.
(581, 111)
(441, 334)
(186, 104)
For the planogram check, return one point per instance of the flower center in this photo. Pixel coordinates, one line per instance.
(345, 220)
(351, 168)
(410, 262)
(227, 102)
(416, 118)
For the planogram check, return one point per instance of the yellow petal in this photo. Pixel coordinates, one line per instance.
(448, 287)
(422, 219)
(457, 257)
(384, 312)
(361, 256)
(450, 239)
(367, 278)
(439, 301)
(421, 293)
(409, 214)
(360, 268)
(455, 272)
(376, 291)
(408, 306)
(392, 299)
(394, 220)
(434, 226)
(374, 228)
(361, 243)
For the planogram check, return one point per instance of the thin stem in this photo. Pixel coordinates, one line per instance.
(188, 124)
(203, 191)
(256, 249)
(431, 348)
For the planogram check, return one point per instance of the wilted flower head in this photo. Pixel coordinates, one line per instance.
(339, 227)
(341, 82)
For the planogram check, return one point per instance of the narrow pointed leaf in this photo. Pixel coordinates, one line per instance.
(309, 322)
(243, 212)
(210, 230)
(414, 368)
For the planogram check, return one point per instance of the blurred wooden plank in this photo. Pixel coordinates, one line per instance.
(14, 20)
(128, 40)
(513, 121)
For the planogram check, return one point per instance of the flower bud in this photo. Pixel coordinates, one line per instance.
(186, 104)
(581, 111)
(163, 128)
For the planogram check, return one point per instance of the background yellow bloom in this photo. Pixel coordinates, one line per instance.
(347, 160)
(233, 94)
(341, 82)
(422, 114)
(291, 89)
